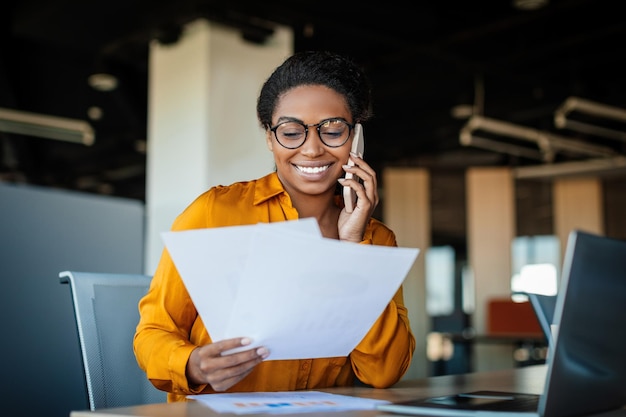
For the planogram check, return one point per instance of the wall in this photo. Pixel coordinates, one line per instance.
(43, 232)
(406, 211)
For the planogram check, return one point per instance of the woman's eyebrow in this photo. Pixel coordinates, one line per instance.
(289, 119)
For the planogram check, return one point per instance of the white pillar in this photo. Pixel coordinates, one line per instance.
(406, 210)
(577, 204)
(202, 125)
(490, 232)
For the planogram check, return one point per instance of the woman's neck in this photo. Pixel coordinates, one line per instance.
(322, 208)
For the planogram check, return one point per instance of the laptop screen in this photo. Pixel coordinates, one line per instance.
(587, 364)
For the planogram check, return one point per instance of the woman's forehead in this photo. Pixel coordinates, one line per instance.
(312, 101)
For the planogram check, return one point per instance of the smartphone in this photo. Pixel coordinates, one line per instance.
(358, 147)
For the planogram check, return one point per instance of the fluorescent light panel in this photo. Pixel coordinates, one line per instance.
(546, 142)
(602, 166)
(562, 117)
(48, 127)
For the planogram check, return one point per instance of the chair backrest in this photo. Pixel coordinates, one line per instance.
(105, 306)
(544, 305)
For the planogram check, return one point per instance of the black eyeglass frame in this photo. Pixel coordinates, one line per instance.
(317, 127)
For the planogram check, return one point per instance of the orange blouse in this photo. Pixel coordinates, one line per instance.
(170, 327)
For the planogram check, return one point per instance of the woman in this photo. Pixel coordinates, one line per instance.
(308, 108)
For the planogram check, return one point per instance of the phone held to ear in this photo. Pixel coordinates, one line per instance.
(358, 147)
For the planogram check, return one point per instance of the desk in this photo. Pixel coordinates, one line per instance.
(527, 348)
(528, 379)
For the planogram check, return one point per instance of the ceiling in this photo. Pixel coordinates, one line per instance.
(499, 62)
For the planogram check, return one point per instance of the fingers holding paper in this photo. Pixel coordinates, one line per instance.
(209, 365)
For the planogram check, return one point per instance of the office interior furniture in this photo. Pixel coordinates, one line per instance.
(508, 317)
(528, 379)
(543, 306)
(515, 323)
(105, 306)
(44, 231)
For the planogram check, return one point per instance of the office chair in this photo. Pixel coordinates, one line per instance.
(105, 307)
(543, 306)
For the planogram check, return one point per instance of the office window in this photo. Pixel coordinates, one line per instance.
(467, 287)
(440, 264)
(536, 264)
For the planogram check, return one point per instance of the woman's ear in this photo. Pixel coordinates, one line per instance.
(268, 140)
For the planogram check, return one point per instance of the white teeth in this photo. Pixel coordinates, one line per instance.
(312, 170)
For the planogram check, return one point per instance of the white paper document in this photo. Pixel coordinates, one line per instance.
(284, 402)
(286, 287)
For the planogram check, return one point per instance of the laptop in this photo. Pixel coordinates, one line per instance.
(586, 363)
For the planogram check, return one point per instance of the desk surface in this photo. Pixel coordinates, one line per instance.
(528, 379)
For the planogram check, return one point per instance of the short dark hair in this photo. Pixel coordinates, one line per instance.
(329, 69)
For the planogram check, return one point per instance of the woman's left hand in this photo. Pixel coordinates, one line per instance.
(352, 225)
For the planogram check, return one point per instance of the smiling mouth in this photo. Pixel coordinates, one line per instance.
(312, 170)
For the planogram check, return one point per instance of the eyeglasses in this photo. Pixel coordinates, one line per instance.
(292, 134)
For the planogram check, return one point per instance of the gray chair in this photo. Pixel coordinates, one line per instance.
(543, 306)
(105, 307)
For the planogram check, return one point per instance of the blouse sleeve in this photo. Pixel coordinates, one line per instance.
(385, 353)
(168, 320)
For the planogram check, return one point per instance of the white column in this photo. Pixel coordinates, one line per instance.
(490, 232)
(577, 204)
(406, 210)
(202, 125)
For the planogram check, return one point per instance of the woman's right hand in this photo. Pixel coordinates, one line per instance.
(207, 365)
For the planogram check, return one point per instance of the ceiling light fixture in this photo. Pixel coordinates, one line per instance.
(462, 111)
(597, 166)
(562, 117)
(48, 127)
(548, 144)
(102, 81)
(530, 4)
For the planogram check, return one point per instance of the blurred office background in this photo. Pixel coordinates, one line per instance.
(499, 126)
